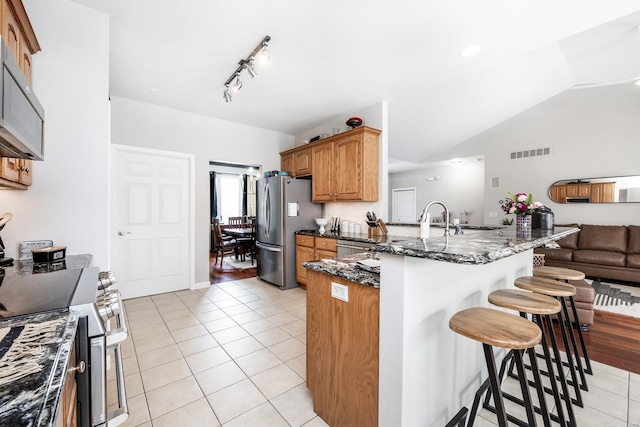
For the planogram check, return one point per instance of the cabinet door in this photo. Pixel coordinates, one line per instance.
(302, 162)
(348, 159)
(286, 162)
(323, 166)
(320, 254)
(584, 190)
(572, 190)
(326, 244)
(26, 173)
(11, 32)
(608, 192)
(10, 169)
(303, 254)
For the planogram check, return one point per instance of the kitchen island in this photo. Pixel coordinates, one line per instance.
(426, 372)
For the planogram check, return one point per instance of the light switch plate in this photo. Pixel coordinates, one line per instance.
(340, 292)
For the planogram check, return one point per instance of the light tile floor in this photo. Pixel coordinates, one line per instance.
(234, 355)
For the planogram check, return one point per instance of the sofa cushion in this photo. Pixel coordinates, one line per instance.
(560, 254)
(633, 261)
(584, 292)
(634, 240)
(599, 257)
(571, 241)
(603, 238)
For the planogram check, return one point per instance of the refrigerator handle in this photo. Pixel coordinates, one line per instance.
(268, 248)
(267, 210)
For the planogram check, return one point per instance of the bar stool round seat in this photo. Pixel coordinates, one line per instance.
(544, 286)
(495, 328)
(524, 301)
(558, 273)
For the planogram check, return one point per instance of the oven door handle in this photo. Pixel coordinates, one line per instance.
(120, 415)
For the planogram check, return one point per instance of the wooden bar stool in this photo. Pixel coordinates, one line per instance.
(541, 307)
(500, 329)
(560, 291)
(567, 274)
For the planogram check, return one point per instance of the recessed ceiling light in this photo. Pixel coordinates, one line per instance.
(154, 90)
(637, 82)
(470, 51)
(456, 162)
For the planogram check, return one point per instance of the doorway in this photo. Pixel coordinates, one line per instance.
(232, 196)
(151, 220)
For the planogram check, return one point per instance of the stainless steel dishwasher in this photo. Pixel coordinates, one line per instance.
(349, 247)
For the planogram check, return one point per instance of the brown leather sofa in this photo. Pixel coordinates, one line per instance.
(601, 252)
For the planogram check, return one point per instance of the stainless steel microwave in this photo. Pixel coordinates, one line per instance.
(21, 114)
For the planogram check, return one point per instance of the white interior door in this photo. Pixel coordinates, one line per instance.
(150, 221)
(404, 205)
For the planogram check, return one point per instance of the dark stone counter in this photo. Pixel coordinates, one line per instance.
(34, 355)
(353, 237)
(478, 248)
(481, 247)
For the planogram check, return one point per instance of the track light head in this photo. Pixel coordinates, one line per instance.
(227, 94)
(265, 56)
(250, 67)
(238, 84)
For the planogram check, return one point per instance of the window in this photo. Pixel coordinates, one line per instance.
(230, 196)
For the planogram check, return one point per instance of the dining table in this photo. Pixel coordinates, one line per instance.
(239, 232)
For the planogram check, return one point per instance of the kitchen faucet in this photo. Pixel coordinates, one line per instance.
(423, 215)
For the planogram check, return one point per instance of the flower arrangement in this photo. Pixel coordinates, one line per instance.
(520, 204)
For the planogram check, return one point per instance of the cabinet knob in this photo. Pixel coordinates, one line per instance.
(79, 368)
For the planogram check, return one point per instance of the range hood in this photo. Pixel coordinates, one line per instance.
(21, 114)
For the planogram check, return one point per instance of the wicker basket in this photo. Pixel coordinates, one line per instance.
(538, 260)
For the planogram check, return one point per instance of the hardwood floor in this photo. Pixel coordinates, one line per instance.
(613, 339)
(226, 273)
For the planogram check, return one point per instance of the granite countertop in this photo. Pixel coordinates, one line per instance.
(477, 248)
(34, 355)
(352, 237)
(441, 225)
(346, 268)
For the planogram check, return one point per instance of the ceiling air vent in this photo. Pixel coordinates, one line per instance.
(531, 153)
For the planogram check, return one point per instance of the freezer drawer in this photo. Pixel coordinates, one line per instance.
(270, 264)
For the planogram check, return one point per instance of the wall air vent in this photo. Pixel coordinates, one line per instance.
(531, 153)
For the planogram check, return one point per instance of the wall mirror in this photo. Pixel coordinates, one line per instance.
(617, 189)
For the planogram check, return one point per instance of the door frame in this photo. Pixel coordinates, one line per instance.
(190, 158)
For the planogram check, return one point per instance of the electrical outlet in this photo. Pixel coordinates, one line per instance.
(340, 292)
(493, 214)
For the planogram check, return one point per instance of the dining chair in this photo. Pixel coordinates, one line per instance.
(236, 221)
(223, 244)
(248, 244)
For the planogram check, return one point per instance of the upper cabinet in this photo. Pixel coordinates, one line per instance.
(343, 167)
(18, 34)
(21, 40)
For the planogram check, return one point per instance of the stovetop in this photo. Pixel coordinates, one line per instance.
(26, 288)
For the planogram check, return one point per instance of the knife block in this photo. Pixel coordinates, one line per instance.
(375, 231)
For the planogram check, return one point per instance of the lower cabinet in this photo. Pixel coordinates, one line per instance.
(343, 351)
(15, 173)
(68, 409)
(310, 248)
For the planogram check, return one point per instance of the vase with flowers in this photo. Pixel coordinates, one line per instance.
(523, 206)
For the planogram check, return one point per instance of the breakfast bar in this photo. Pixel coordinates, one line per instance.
(426, 373)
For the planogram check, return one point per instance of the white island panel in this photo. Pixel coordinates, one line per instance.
(428, 372)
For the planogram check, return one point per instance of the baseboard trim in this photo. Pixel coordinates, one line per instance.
(201, 285)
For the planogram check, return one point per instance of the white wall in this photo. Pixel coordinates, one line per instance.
(150, 126)
(460, 187)
(374, 116)
(592, 133)
(68, 201)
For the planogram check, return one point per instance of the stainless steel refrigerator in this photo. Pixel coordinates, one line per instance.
(283, 207)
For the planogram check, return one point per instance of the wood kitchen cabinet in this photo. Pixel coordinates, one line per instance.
(18, 34)
(345, 166)
(296, 161)
(15, 173)
(343, 351)
(578, 190)
(67, 415)
(597, 192)
(21, 40)
(310, 248)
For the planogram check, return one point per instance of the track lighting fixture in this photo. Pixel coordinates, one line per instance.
(261, 54)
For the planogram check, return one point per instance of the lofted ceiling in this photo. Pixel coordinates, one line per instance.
(330, 58)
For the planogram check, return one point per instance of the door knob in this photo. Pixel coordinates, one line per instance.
(122, 233)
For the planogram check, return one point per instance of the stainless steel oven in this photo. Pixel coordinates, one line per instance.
(102, 329)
